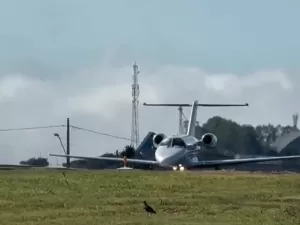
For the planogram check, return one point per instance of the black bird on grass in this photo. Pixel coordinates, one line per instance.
(148, 208)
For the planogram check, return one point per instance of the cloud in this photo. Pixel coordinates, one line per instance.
(99, 98)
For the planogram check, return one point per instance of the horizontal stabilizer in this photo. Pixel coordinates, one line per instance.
(199, 104)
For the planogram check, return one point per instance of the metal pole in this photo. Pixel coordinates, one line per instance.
(68, 142)
(180, 109)
(62, 145)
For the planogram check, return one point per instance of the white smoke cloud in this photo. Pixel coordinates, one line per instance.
(100, 99)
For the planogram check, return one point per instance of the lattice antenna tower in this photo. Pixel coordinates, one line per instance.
(183, 124)
(135, 108)
(295, 120)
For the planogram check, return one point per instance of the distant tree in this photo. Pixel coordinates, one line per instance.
(267, 134)
(129, 151)
(240, 139)
(43, 162)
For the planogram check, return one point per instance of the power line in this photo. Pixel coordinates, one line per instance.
(55, 126)
(104, 134)
(32, 128)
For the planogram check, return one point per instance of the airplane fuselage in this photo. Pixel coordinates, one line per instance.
(174, 150)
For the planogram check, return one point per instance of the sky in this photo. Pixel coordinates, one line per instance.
(73, 58)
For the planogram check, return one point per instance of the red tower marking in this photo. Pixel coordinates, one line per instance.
(125, 161)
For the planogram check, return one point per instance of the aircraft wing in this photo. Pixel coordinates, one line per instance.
(137, 161)
(215, 163)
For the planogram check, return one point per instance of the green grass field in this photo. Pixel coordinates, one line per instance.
(39, 197)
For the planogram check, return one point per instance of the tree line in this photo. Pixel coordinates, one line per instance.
(233, 139)
(245, 139)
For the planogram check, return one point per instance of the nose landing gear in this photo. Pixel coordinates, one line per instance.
(179, 167)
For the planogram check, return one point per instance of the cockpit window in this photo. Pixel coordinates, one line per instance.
(178, 142)
(166, 142)
(190, 140)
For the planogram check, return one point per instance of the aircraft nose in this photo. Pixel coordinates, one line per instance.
(169, 155)
(160, 154)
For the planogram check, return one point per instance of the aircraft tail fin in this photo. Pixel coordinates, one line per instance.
(193, 115)
(145, 149)
(192, 120)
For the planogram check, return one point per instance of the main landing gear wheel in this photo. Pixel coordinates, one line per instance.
(217, 168)
(179, 167)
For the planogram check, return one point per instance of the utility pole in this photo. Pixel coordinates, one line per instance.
(68, 142)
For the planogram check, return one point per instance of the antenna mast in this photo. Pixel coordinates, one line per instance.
(295, 120)
(135, 108)
(180, 109)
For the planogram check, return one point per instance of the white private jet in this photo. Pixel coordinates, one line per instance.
(177, 151)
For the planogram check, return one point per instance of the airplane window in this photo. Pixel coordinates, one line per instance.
(166, 142)
(178, 142)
